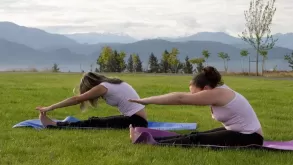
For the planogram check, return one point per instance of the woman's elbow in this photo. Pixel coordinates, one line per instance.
(77, 100)
(186, 100)
(181, 100)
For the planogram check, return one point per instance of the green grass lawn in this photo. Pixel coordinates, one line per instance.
(20, 93)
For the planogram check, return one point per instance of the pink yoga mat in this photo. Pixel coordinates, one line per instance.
(145, 135)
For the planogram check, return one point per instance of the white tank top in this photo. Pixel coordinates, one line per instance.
(238, 115)
(119, 94)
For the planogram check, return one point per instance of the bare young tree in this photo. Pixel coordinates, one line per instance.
(258, 21)
(55, 68)
(289, 58)
(199, 62)
(244, 53)
(264, 55)
(225, 57)
(206, 54)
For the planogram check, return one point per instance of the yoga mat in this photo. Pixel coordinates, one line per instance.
(171, 126)
(36, 123)
(146, 136)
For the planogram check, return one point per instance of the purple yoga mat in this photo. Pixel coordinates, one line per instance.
(279, 145)
(146, 136)
(155, 133)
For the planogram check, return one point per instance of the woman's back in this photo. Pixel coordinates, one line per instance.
(238, 115)
(118, 95)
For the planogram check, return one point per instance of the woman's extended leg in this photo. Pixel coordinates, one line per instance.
(119, 122)
(172, 137)
(214, 130)
(221, 138)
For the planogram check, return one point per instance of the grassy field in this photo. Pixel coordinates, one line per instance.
(20, 93)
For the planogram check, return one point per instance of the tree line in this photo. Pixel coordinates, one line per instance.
(113, 61)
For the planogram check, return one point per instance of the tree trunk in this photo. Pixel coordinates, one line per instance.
(242, 65)
(225, 66)
(263, 64)
(257, 54)
(248, 64)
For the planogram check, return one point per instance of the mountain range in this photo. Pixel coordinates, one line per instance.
(27, 45)
(95, 38)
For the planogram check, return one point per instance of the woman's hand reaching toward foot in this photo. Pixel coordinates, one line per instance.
(44, 109)
(45, 120)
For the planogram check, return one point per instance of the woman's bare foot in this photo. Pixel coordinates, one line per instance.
(133, 134)
(141, 137)
(131, 131)
(46, 120)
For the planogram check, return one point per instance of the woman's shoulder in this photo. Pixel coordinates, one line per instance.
(224, 86)
(112, 85)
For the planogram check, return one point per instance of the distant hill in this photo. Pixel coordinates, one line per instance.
(85, 49)
(22, 45)
(96, 38)
(192, 49)
(208, 36)
(275, 53)
(284, 40)
(14, 53)
(32, 37)
(18, 53)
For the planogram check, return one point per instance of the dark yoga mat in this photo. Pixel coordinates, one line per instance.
(146, 136)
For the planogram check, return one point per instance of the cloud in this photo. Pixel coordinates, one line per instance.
(112, 26)
(141, 19)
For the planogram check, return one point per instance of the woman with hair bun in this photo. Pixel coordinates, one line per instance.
(241, 126)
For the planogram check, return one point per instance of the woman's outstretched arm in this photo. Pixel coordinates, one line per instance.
(206, 97)
(91, 94)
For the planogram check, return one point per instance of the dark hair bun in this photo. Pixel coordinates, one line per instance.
(212, 75)
(209, 70)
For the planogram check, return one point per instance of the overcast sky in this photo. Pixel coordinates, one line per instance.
(139, 18)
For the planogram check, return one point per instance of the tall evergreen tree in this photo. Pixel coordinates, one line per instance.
(137, 64)
(153, 63)
(130, 63)
(164, 65)
(187, 66)
(116, 67)
(122, 63)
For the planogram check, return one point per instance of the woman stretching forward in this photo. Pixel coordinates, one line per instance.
(114, 91)
(241, 125)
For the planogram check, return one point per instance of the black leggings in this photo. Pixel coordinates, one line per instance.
(219, 136)
(116, 122)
